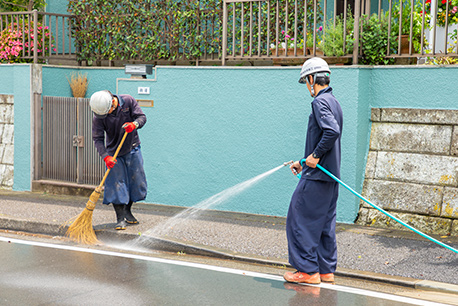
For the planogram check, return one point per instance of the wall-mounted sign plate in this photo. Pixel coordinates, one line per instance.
(145, 103)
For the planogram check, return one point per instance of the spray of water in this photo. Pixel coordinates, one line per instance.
(163, 228)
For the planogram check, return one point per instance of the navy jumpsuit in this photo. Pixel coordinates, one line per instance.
(311, 219)
(126, 181)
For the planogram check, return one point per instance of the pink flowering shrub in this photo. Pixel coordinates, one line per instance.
(15, 44)
(10, 45)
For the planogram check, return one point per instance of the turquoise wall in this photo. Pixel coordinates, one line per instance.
(15, 80)
(428, 87)
(214, 127)
(57, 6)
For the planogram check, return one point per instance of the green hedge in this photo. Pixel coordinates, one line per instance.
(148, 30)
(145, 30)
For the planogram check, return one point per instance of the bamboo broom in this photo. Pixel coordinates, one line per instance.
(81, 229)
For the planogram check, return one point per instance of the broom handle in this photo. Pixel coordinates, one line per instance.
(114, 157)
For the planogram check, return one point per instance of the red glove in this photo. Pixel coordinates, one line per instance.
(110, 161)
(130, 126)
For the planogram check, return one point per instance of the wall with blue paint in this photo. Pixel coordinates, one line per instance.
(410, 87)
(57, 6)
(213, 127)
(15, 80)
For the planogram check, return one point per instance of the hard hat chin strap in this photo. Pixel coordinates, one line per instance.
(312, 90)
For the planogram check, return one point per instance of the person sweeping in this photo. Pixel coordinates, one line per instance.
(126, 182)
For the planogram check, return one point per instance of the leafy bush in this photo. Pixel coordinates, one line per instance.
(374, 41)
(417, 20)
(21, 5)
(442, 11)
(10, 45)
(150, 30)
(15, 44)
(446, 60)
(287, 22)
(333, 39)
(145, 30)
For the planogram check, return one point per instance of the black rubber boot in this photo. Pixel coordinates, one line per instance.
(120, 215)
(128, 214)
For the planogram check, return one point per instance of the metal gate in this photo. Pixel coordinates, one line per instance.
(68, 151)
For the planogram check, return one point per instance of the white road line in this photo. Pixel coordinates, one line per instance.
(223, 269)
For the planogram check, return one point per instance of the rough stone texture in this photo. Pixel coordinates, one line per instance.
(418, 138)
(370, 166)
(8, 133)
(402, 197)
(417, 168)
(412, 170)
(454, 148)
(450, 203)
(8, 155)
(434, 116)
(6, 141)
(426, 224)
(6, 176)
(454, 228)
(376, 114)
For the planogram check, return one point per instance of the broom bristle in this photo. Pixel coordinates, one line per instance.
(81, 229)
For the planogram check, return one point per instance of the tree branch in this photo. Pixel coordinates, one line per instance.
(28, 7)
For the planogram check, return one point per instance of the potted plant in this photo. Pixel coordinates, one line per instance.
(290, 22)
(442, 11)
(405, 22)
(442, 17)
(287, 45)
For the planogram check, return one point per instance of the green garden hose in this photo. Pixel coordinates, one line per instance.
(382, 210)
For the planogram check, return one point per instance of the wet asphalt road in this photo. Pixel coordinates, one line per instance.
(385, 251)
(43, 274)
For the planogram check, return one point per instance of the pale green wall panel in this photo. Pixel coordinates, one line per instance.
(212, 128)
(55, 79)
(57, 6)
(7, 79)
(207, 132)
(15, 80)
(415, 87)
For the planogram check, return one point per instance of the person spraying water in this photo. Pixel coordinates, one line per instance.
(311, 218)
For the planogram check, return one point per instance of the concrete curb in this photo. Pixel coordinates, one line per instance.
(172, 245)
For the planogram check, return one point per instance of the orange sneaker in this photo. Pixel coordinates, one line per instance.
(301, 277)
(327, 278)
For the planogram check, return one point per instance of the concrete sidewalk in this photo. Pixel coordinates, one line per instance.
(397, 257)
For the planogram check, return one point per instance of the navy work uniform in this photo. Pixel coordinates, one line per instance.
(126, 181)
(311, 220)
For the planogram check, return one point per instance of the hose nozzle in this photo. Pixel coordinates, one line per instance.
(294, 170)
(288, 163)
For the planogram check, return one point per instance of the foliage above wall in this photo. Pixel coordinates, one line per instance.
(374, 41)
(145, 29)
(16, 42)
(21, 5)
(442, 13)
(148, 30)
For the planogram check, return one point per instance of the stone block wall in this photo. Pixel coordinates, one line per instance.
(412, 170)
(6, 141)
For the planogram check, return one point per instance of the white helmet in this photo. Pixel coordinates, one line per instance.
(313, 66)
(100, 103)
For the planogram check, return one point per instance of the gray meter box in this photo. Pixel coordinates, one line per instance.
(138, 69)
